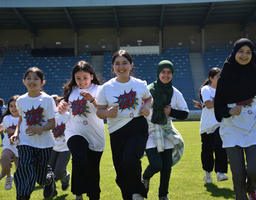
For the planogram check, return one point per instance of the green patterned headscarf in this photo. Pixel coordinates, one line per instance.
(162, 94)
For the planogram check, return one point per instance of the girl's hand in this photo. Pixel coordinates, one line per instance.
(235, 110)
(33, 130)
(167, 110)
(9, 130)
(14, 139)
(144, 110)
(112, 112)
(63, 107)
(87, 96)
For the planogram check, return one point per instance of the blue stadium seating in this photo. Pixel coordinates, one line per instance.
(145, 66)
(57, 72)
(216, 57)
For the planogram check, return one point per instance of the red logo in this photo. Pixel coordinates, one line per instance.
(249, 112)
(246, 103)
(59, 130)
(85, 122)
(131, 115)
(127, 100)
(35, 117)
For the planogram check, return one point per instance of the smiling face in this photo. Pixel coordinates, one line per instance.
(244, 55)
(122, 68)
(83, 79)
(33, 83)
(12, 107)
(165, 75)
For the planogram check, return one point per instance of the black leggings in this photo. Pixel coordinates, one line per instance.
(85, 168)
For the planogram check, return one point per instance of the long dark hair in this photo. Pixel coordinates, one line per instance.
(80, 66)
(212, 72)
(8, 112)
(125, 54)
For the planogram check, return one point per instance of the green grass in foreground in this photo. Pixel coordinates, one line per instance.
(186, 178)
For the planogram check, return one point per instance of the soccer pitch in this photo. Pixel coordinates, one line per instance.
(186, 180)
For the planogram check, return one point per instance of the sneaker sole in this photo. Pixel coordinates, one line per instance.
(223, 179)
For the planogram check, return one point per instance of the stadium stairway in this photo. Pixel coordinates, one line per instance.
(198, 71)
(97, 63)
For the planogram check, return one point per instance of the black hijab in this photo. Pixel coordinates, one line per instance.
(237, 82)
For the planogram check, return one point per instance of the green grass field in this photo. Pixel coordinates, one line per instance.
(186, 178)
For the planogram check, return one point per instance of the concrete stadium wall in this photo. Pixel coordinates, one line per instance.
(106, 38)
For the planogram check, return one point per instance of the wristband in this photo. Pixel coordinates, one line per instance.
(92, 100)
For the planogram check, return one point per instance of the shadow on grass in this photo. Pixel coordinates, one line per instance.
(61, 197)
(219, 192)
(39, 187)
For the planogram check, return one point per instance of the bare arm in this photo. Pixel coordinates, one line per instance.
(15, 136)
(104, 112)
(209, 104)
(235, 110)
(63, 107)
(147, 104)
(1, 128)
(90, 98)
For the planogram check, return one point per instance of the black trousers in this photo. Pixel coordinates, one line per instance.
(128, 145)
(213, 143)
(159, 162)
(85, 168)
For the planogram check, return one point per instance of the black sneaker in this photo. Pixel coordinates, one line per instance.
(49, 189)
(54, 194)
(65, 186)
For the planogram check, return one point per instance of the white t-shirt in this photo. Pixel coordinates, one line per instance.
(59, 133)
(208, 122)
(127, 96)
(240, 130)
(36, 111)
(10, 122)
(178, 102)
(83, 120)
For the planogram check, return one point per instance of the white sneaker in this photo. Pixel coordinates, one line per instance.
(207, 177)
(221, 177)
(137, 197)
(8, 182)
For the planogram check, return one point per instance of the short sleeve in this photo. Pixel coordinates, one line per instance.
(206, 96)
(147, 93)
(102, 100)
(52, 111)
(18, 107)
